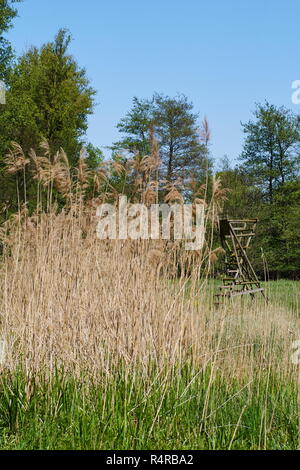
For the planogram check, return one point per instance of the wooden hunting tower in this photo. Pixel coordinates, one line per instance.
(240, 277)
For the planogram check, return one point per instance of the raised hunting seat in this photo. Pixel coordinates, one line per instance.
(240, 279)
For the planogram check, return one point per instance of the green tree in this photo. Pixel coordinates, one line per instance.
(244, 197)
(279, 231)
(49, 97)
(136, 127)
(7, 14)
(183, 151)
(271, 148)
(94, 157)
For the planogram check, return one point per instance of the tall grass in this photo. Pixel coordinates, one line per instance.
(153, 411)
(109, 345)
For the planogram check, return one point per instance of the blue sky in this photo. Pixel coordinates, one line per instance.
(225, 55)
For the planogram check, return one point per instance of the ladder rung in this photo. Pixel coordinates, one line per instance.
(246, 291)
(239, 235)
(240, 221)
(246, 282)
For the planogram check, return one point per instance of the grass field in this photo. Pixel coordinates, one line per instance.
(182, 409)
(283, 293)
(104, 349)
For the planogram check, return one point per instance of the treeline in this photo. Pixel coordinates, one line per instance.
(49, 99)
(266, 184)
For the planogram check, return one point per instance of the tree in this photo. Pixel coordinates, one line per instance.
(244, 198)
(181, 151)
(279, 231)
(7, 14)
(136, 127)
(49, 97)
(175, 126)
(94, 157)
(271, 160)
(271, 148)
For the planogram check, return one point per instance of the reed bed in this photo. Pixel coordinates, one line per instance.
(117, 344)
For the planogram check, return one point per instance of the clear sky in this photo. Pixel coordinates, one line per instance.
(225, 55)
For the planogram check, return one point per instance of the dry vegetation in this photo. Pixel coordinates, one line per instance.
(96, 309)
(87, 303)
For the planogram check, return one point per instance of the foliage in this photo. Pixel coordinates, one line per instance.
(175, 127)
(49, 97)
(279, 232)
(181, 151)
(136, 126)
(7, 14)
(271, 148)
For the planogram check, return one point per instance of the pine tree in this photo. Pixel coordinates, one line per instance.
(183, 150)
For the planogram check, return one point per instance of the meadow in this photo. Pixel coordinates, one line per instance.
(106, 347)
(117, 344)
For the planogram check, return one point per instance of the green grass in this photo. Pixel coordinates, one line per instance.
(284, 293)
(136, 412)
